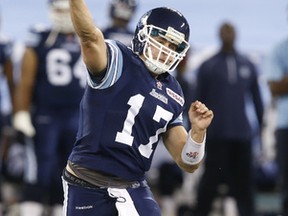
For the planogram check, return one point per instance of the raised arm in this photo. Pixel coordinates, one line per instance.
(93, 47)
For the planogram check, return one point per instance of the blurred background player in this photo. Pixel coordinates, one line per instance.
(6, 101)
(121, 13)
(228, 83)
(48, 95)
(276, 72)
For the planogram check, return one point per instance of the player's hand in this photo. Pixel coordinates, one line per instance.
(200, 116)
(22, 122)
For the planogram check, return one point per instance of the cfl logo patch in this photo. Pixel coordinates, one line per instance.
(192, 154)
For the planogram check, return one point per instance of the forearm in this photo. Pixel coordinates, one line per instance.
(23, 100)
(193, 151)
(82, 20)
(22, 118)
(174, 139)
(94, 50)
(25, 87)
(194, 148)
(23, 95)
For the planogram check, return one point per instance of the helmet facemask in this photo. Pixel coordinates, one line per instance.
(59, 15)
(162, 59)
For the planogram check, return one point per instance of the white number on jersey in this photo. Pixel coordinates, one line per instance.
(125, 136)
(59, 72)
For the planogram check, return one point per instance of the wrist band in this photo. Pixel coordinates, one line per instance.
(193, 152)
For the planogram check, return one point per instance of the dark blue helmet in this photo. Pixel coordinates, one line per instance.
(122, 9)
(169, 24)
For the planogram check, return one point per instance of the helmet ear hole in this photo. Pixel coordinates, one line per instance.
(142, 34)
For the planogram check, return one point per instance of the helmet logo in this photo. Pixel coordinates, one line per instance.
(159, 85)
(144, 20)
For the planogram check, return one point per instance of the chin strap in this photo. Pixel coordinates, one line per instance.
(154, 69)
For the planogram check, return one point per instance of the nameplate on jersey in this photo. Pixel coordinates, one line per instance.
(175, 96)
(159, 96)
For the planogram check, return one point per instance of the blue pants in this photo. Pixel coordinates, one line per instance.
(53, 142)
(79, 201)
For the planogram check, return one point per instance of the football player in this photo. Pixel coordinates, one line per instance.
(121, 13)
(48, 96)
(130, 102)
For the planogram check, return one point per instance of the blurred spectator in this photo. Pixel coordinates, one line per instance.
(121, 13)
(47, 108)
(6, 101)
(228, 82)
(276, 72)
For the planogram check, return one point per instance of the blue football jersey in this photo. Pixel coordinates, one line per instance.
(60, 82)
(123, 116)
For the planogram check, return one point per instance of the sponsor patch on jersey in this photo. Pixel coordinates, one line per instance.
(84, 207)
(175, 96)
(159, 85)
(159, 96)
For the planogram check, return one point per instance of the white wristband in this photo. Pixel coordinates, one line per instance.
(193, 152)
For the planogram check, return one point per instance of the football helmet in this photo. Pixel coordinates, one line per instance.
(166, 23)
(59, 14)
(122, 9)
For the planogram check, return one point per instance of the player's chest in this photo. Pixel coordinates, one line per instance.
(152, 97)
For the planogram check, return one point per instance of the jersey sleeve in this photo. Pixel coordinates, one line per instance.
(177, 121)
(114, 68)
